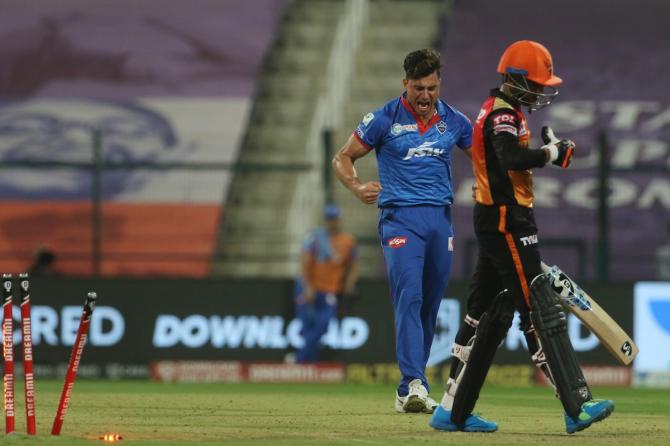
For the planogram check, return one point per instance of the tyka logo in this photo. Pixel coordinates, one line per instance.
(397, 242)
(530, 240)
(424, 149)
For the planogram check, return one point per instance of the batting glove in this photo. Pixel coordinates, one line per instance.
(560, 150)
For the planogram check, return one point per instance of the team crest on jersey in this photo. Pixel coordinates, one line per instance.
(397, 129)
(397, 242)
(441, 127)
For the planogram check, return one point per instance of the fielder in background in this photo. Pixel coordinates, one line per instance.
(329, 271)
(509, 258)
(412, 136)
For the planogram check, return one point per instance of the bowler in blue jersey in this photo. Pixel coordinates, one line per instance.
(412, 136)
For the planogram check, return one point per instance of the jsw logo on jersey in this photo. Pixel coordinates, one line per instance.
(424, 149)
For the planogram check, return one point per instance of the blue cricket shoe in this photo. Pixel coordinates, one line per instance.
(592, 412)
(441, 420)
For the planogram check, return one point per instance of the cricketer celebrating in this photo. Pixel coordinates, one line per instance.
(509, 259)
(412, 136)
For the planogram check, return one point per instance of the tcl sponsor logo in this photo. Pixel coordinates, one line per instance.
(249, 332)
(397, 242)
(506, 118)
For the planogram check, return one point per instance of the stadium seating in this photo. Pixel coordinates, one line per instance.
(257, 241)
(254, 238)
(395, 29)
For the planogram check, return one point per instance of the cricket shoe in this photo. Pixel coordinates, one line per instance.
(441, 420)
(417, 399)
(592, 412)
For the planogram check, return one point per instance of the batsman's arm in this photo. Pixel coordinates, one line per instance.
(343, 165)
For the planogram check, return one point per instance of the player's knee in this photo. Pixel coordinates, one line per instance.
(503, 309)
(501, 313)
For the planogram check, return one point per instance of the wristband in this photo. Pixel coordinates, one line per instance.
(553, 152)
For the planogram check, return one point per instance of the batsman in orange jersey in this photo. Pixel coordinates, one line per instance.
(509, 258)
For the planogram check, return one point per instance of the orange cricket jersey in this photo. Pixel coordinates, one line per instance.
(495, 185)
(328, 276)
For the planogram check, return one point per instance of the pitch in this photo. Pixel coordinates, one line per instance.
(147, 413)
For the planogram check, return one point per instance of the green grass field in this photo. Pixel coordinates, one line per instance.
(257, 414)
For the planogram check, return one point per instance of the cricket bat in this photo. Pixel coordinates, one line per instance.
(587, 310)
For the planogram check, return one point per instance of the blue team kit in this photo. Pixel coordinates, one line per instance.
(414, 164)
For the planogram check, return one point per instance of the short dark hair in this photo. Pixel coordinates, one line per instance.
(422, 63)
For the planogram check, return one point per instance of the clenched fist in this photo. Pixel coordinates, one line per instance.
(368, 192)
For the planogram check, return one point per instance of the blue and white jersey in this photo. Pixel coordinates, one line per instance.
(413, 159)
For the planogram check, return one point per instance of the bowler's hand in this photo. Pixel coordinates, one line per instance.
(368, 192)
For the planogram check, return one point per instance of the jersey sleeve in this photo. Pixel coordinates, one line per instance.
(503, 121)
(370, 132)
(465, 140)
(501, 128)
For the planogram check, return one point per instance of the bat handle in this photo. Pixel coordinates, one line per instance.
(545, 268)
